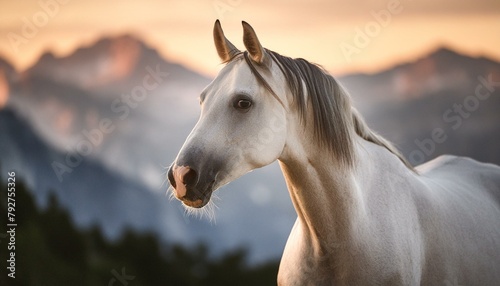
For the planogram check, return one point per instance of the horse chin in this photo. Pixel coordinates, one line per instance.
(196, 204)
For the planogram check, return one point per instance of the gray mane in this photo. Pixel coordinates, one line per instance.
(335, 120)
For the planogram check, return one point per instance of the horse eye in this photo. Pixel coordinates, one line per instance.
(242, 104)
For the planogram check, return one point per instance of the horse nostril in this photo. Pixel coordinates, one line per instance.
(190, 177)
(180, 178)
(171, 178)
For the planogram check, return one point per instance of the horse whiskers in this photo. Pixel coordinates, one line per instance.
(164, 176)
(165, 167)
(170, 193)
(163, 183)
(207, 211)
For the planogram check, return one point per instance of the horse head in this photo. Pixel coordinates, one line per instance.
(242, 125)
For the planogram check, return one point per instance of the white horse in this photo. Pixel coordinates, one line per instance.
(365, 216)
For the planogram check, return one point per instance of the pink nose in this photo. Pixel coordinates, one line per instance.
(182, 176)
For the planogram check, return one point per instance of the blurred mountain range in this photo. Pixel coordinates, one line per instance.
(120, 80)
(99, 127)
(457, 94)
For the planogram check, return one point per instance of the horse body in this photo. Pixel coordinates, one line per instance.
(393, 226)
(365, 215)
(459, 210)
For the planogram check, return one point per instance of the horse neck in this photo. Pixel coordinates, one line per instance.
(326, 195)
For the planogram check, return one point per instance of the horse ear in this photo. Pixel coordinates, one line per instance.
(225, 49)
(252, 44)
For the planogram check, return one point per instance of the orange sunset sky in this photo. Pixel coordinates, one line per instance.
(343, 36)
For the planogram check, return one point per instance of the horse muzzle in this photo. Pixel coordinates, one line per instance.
(189, 187)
